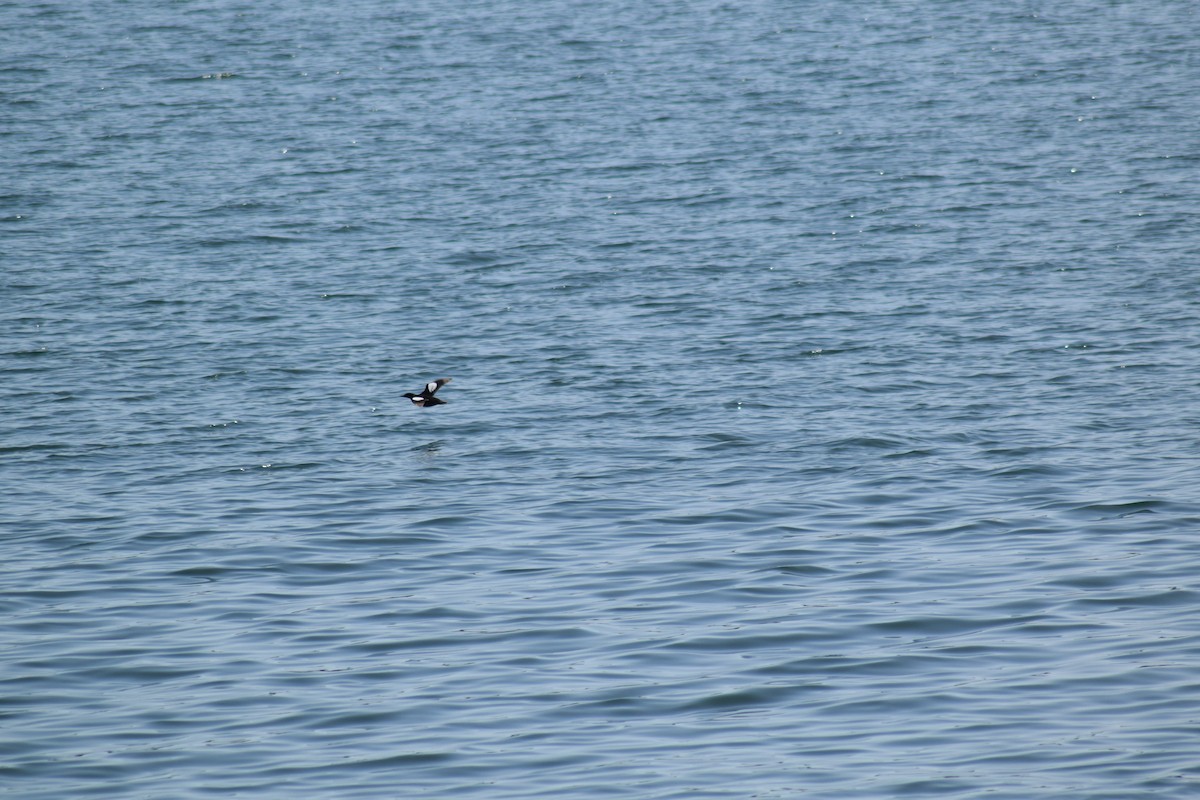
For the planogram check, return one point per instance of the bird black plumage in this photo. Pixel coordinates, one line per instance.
(426, 397)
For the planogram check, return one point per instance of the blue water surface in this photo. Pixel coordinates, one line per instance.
(825, 418)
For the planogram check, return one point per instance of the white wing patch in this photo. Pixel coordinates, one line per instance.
(431, 387)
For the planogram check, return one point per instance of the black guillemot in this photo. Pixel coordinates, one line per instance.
(426, 397)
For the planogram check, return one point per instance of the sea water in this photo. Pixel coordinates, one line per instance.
(824, 418)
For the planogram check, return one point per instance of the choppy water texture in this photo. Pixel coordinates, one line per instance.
(824, 419)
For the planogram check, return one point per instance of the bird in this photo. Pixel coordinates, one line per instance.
(426, 397)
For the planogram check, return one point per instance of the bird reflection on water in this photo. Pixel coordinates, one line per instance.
(429, 449)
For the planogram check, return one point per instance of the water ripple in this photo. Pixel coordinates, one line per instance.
(823, 416)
